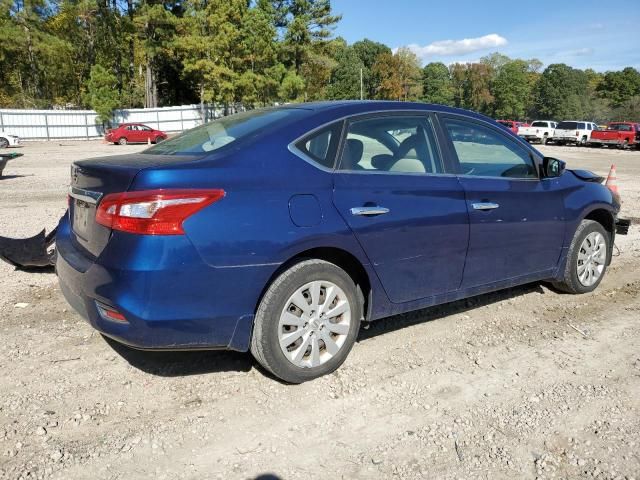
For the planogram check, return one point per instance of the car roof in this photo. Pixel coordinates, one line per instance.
(343, 108)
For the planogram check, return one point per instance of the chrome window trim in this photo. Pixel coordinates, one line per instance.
(85, 195)
(298, 153)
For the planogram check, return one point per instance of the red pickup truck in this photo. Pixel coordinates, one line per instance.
(618, 134)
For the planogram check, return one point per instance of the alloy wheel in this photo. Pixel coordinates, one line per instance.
(592, 257)
(314, 324)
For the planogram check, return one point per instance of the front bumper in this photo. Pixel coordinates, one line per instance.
(170, 303)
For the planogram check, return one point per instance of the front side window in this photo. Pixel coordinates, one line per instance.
(484, 152)
(393, 143)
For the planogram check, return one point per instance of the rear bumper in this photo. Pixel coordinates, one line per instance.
(169, 303)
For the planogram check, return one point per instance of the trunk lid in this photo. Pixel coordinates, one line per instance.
(93, 179)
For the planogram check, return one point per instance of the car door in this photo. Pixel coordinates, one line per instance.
(516, 224)
(408, 214)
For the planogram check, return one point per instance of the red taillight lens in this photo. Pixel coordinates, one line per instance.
(153, 212)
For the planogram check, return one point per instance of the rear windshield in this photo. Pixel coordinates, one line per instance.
(567, 126)
(223, 131)
(539, 124)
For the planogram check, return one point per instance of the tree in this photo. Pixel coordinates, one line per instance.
(511, 90)
(368, 51)
(436, 84)
(561, 92)
(399, 75)
(345, 79)
(102, 93)
(619, 87)
(477, 87)
(208, 42)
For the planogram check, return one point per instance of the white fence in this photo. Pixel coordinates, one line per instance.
(83, 124)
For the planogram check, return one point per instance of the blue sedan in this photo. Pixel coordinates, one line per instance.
(280, 230)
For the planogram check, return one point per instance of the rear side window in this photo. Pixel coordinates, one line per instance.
(483, 152)
(581, 126)
(391, 143)
(321, 146)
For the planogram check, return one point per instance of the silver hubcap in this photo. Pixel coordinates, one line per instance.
(314, 324)
(591, 259)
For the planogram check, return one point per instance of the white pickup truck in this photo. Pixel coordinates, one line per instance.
(578, 132)
(539, 131)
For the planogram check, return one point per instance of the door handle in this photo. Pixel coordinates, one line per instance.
(369, 211)
(485, 206)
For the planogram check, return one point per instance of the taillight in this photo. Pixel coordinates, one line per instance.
(153, 212)
(577, 134)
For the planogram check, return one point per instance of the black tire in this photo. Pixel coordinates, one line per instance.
(560, 142)
(158, 140)
(264, 341)
(4, 143)
(122, 141)
(570, 282)
(545, 139)
(582, 142)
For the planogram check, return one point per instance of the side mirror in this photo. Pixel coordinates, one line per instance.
(552, 167)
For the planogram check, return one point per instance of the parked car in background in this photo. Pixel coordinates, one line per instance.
(134, 133)
(578, 132)
(280, 230)
(617, 134)
(8, 139)
(539, 131)
(512, 125)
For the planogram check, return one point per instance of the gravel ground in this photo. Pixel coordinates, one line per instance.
(523, 383)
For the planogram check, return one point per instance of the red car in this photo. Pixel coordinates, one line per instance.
(511, 125)
(134, 133)
(617, 134)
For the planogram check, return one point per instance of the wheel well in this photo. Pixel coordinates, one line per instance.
(603, 217)
(343, 259)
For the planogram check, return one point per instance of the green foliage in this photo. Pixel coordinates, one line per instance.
(511, 89)
(345, 79)
(562, 92)
(101, 93)
(437, 86)
(108, 54)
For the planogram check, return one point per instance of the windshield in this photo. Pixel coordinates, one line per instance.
(567, 126)
(223, 131)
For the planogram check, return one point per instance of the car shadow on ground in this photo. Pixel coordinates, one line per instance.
(398, 322)
(185, 363)
(11, 177)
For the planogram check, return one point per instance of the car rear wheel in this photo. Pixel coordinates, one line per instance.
(122, 141)
(307, 321)
(583, 142)
(4, 143)
(587, 259)
(545, 139)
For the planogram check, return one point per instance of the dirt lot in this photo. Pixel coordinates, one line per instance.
(525, 383)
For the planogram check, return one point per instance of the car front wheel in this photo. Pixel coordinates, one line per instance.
(307, 321)
(587, 259)
(4, 143)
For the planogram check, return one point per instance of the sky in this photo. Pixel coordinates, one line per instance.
(583, 34)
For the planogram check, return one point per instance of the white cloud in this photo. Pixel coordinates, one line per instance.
(458, 47)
